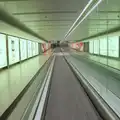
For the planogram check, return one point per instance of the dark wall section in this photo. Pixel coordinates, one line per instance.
(86, 47)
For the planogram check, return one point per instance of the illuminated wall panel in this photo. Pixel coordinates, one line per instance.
(103, 46)
(33, 48)
(23, 49)
(29, 49)
(13, 49)
(81, 46)
(90, 46)
(3, 55)
(96, 46)
(36, 49)
(113, 46)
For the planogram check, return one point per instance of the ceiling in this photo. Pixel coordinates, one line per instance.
(105, 18)
(51, 19)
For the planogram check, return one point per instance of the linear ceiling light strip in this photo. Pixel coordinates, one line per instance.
(79, 16)
(74, 27)
(84, 17)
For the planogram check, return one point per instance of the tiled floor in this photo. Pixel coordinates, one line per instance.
(14, 79)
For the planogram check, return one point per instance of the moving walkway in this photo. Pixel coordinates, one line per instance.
(60, 96)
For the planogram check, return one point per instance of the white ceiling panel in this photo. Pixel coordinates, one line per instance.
(49, 18)
(52, 18)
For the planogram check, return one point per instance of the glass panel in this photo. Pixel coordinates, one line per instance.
(96, 46)
(13, 47)
(3, 54)
(91, 46)
(29, 49)
(34, 48)
(113, 46)
(103, 46)
(23, 49)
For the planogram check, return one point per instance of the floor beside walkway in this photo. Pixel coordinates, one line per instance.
(103, 80)
(14, 79)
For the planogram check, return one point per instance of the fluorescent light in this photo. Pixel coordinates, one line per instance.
(68, 33)
(79, 16)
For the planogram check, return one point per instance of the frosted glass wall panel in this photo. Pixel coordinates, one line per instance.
(23, 49)
(90, 46)
(113, 46)
(3, 54)
(29, 49)
(34, 48)
(13, 49)
(96, 46)
(103, 46)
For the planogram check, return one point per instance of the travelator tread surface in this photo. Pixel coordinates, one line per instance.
(67, 99)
